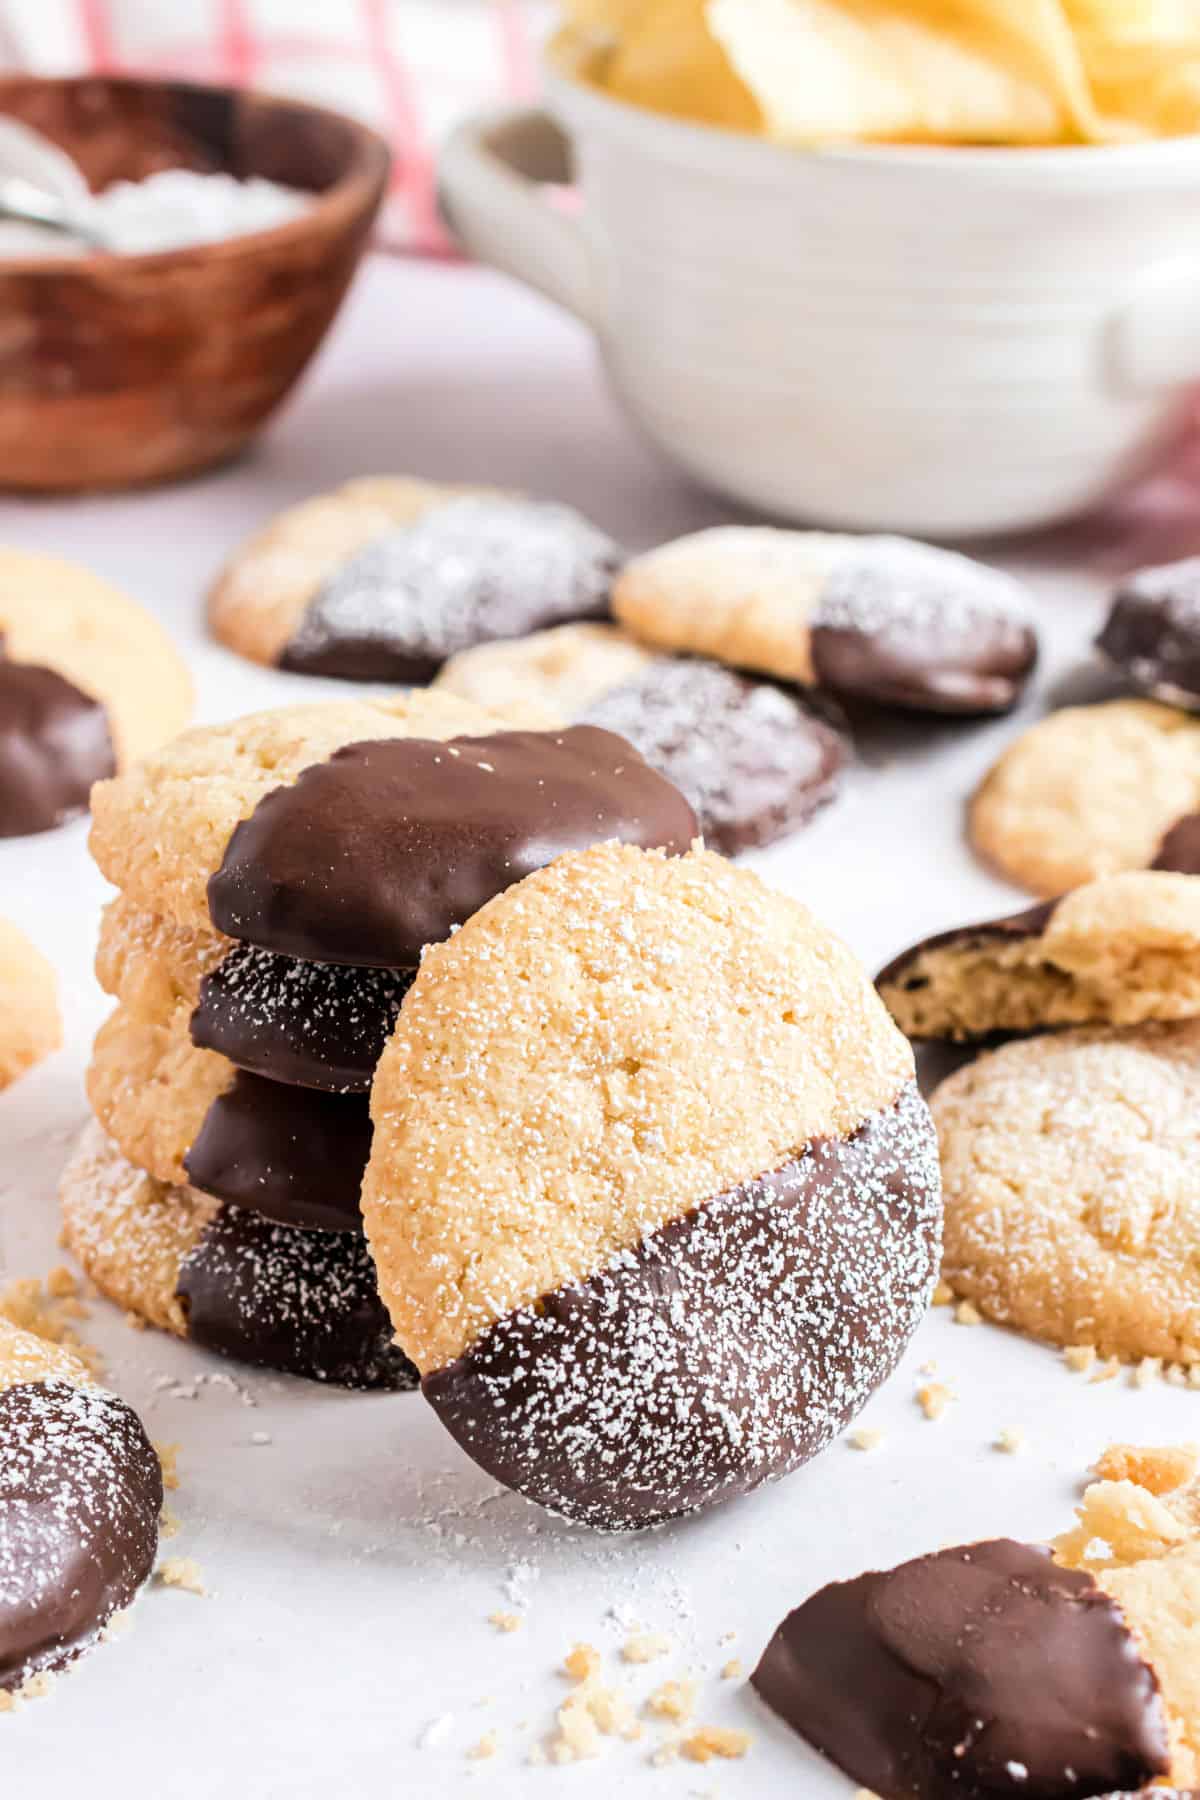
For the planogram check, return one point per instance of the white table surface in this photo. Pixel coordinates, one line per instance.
(352, 1561)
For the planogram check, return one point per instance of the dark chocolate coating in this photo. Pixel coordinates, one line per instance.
(1152, 632)
(303, 1302)
(80, 1494)
(905, 626)
(1179, 852)
(755, 758)
(946, 1677)
(389, 845)
(725, 1348)
(54, 743)
(291, 1154)
(469, 571)
(1030, 923)
(311, 1025)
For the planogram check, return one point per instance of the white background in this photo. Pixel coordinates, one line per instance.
(352, 1562)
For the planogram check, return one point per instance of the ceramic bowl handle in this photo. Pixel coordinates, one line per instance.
(488, 186)
(1157, 331)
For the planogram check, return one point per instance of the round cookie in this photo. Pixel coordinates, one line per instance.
(384, 580)
(1118, 951)
(80, 1496)
(652, 1196)
(1071, 1194)
(30, 1023)
(88, 683)
(881, 619)
(300, 1302)
(1152, 633)
(755, 759)
(1086, 792)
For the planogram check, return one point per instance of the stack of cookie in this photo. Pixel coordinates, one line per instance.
(278, 879)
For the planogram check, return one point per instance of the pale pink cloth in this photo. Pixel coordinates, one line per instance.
(411, 68)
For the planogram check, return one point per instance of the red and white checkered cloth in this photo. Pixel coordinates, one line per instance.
(410, 68)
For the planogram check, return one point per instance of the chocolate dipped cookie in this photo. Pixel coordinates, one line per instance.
(652, 1195)
(1120, 950)
(1005, 1668)
(1152, 633)
(385, 579)
(88, 682)
(80, 1495)
(879, 619)
(756, 758)
(227, 1278)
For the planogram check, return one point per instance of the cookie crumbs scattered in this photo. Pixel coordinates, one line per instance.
(505, 1621)
(487, 1746)
(732, 1670)
(967, 1313)
(578, 1734)
(181, 1572)
(1147, 1371)
(47, 1312)
(715, 1740)
(582, 1662)
(135, 1321)
(646, 1646)
(1011, 1440)
(1105, 1371)
(673, 1700)
(933, 1398)
(1159, 1471)
(1079, 1358)
(168, 1525)
(943, 1294)
(168, 1456)
(61, 1284)
(865, 1437)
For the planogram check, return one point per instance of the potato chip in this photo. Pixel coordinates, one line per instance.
(1142, 59)
(663, 56)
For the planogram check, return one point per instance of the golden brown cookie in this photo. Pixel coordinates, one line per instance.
(30, 1025)
(881, 619)
(80, 1496)
(756, 759)
(302, 1302)
(387, 578)
(642, 1100)
(1087, 792)
(160, 831)
(1069, 1166)
(1118, 951)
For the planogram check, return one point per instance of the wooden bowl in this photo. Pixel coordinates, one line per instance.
(117, 370)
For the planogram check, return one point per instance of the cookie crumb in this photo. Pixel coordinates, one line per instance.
(582, 1662)
(943, 1294)
(578, 1734)
(168, 1525)
(715, 1740)
(505, 1621)
(933, 1398)
(168, 1456)
(1079, 1357)
(673, 1700)
(61, 1284)
(865, 1437)
(1105, 1371)
(1147, 1371)
(732, 1670)
(181, 1572)
(36, 1687)
(487, 1746)
(135, 1321)
(1011, 1440)
(1159, 1471)
(967, 1313)
(645, 1646)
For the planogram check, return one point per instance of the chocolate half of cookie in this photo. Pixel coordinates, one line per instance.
(755, 758)
(904, 624)
(54, 743)
(1152, 633)
(970, 1674)
(80, 1497)
(389, 845)
(1179, 851)
(967, 982)
(475, 569)
(727, 1347)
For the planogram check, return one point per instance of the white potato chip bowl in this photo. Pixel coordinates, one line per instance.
(942, 341)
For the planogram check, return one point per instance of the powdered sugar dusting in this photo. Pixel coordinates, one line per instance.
(729, 1347)
(753, 758)
(80, 1495)
(895, 585)
(475, 569)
